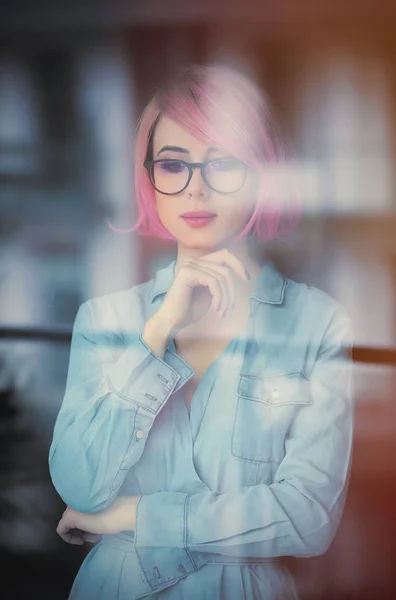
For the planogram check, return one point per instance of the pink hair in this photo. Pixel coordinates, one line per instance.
(226, 110)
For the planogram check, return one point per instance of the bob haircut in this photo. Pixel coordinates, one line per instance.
(225, 109)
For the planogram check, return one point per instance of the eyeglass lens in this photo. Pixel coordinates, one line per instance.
(224, 175)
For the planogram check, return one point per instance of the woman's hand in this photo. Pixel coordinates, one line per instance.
(77, 527)
(202, 283)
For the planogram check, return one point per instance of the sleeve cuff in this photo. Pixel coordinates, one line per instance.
(160, 520)
(160, 539)
(142, 377)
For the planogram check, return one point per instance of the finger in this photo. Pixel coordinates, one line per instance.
(203, 275)
(91, 538)
(73, 536)
(223, 271)
(223, 276)
(199, 276)
(78, 537)
(69, 533)
(226, 257)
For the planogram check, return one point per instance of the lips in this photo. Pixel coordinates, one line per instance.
(198, 221)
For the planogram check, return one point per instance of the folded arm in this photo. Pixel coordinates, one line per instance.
(111, 400)
(299, 513)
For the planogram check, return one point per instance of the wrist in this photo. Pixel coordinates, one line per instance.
(128, 504)
(163, 326)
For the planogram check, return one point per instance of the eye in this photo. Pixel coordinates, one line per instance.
(171, 166)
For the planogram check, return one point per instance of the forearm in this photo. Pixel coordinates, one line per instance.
(157, 333)
(261, 521)
(107, 412)
(121, 515)
(90, 455)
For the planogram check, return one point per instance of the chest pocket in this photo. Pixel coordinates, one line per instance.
(265, 411)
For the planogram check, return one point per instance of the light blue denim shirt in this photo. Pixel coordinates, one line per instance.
(256, 471)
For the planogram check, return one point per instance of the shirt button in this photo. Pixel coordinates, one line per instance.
(139, 434)
(275, 394)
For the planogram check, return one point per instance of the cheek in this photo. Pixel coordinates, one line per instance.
(164, 206)
(242, 206)
(161, 206)
(168, 208)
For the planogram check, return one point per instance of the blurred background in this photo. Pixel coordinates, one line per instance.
(73, 79)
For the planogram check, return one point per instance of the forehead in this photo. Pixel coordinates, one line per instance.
(170, 133)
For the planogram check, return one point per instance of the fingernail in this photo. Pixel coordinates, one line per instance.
(247, 274)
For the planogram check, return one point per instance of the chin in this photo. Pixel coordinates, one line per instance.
(201, 239)
(200, 246)
(197, 241)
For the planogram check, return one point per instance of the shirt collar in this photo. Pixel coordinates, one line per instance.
(269, 286)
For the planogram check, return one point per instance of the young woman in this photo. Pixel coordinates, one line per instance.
(206, 426)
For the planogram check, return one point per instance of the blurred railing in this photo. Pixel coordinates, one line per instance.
(360, 354)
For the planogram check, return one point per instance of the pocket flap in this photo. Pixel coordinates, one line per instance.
(293, 388)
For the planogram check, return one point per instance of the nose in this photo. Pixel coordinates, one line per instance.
(197, 187)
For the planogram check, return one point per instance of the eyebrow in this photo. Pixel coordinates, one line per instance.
(173, 149)
(182, 150)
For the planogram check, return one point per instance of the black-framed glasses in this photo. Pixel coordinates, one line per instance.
(171, 176)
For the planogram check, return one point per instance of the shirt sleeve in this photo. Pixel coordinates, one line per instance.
(112, 398)
(299, 513)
